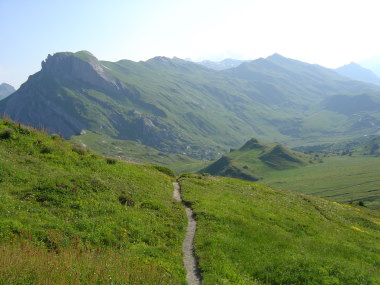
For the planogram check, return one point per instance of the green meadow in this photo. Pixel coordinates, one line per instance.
(70, 216)
(253, 234)
(348, 179)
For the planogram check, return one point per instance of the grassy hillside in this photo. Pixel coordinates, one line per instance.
(252, 234)
(69, 216)
(372, 147)
(134, 152)
(254, 159)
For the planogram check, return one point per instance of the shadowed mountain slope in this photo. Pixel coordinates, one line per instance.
(182, 107)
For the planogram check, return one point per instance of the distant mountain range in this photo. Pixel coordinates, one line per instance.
(357, 72)
(182, 107)
(6, 90)
(221, 65)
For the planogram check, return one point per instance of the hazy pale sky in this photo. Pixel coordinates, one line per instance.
(328, 32)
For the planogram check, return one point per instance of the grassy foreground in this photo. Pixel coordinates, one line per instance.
(68, 216)
(252, 234)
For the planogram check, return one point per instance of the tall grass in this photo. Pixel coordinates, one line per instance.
(25, 263)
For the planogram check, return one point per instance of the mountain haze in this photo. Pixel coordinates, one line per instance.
(372, 63)
(6, 90)
(221, 65)
(356, 72)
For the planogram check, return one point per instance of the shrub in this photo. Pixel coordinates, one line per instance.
(6, 134)
(361, 203)
(164, 170)
(80, 149)
(111, 160)
(125, 200)
(46, 149)
(55, 136)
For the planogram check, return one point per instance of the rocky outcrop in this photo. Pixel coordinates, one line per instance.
(69, 68)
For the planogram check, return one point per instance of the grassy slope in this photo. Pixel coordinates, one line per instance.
(135, 152)
(339, 178)
(252, 234)
(77, 217)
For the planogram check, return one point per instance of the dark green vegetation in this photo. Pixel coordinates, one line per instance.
(254, 159)
(182, 107)
(372, 147)
(5, 90)
(252, 234)
(69, 216)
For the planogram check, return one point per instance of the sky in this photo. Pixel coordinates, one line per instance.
(327, 32)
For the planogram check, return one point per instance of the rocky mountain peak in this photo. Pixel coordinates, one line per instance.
(67, 67)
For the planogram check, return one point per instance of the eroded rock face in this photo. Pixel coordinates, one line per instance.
(67, 68)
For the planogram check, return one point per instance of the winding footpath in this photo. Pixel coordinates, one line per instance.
(193, 275)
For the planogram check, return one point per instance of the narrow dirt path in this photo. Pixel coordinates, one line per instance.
(193, 275)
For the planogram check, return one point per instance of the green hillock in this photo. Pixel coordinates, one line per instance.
(279, 157)
(254, 159)
(253, 234)
(225, 167)
(69, 216)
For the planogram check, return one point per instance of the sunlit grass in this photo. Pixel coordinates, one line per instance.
(74, 207)
(252, 234)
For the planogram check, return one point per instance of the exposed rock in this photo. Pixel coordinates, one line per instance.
(67, 67)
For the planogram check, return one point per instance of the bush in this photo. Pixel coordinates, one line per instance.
(6, 134)
(125, 200)
(55, 137)
(80, 149)
(361, 203)
(111, 160)
(46, 149)
(164, 170)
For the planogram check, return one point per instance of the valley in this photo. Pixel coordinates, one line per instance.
(345, 173)
(189, 142)
(90, 151)
(65, 207)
